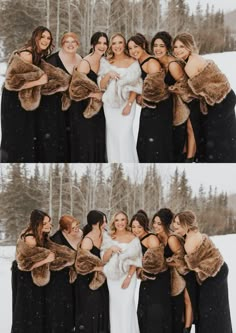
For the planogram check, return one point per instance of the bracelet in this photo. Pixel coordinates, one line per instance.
(129, 276)
(130, 103)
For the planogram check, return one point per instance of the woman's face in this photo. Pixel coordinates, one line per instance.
(44, 41)
(180, 50)
(118, 45)
(157, 225)
(120, 222)
(159, 48)
(101, 46)
(47, 225)
(178, 228)
(137, 229)
(70, 45)
(75, 228)
(135, 51)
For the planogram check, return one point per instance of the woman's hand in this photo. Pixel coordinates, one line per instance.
(126, 110)
(139, 100)
(114, 75)
(126, 282)
(43, 79)
(51, 257)
(98, 269)
(115, 249)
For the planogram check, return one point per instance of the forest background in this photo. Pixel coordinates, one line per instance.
(75, 189)
(213, 30)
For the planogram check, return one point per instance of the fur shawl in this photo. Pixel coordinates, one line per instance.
(154, 89)
(153, 262)
(119, 263)
(20, 72)
(27, 256)
(85, 263)
(210, 83)
(80, 88)
(206, 261)
(117, 91)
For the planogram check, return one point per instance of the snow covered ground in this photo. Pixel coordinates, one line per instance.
(226, 244)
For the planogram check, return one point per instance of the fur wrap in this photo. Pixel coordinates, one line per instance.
(117, 92)
(119, 263)
(85, 263)
(27, 256)
(206, 261)
(153, 262)
(210, 83)
(154, 89)
(20, 72)
(80, 88)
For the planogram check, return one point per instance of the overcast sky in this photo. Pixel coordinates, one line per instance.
(226, 5)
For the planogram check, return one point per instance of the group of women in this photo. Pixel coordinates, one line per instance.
(62, 108)
(78, 281)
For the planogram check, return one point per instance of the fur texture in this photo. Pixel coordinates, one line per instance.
(177, 282)
(80, 88)
(153, 263)
(20, 72)
(154, 89)
(181, 111)
(206, 261)
(210, 83)
(58, 80)
(85, 263)
(27, 256)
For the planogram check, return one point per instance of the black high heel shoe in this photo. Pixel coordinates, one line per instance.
(187, 329)
(189, 160)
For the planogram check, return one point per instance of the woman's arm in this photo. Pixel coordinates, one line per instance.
(128, 106)
(128, 278)
(108, 253)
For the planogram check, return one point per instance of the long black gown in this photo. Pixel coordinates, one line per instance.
(87, 136)
(92, 306)
(28, 303)
(177, 302)
(53, 124)
(180, 131)
(18, 130)
(155, 130)
(154, 305)
(60, 297)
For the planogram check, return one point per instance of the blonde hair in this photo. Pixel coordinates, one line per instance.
(112, 223)
(110, 54)
(70, 34)
(188, 40)
(187, 219)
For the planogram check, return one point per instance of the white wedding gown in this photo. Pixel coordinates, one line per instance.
(123, 313)
(120, 141)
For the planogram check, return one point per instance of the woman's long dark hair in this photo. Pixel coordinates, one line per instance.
(35, 226)
(93, 217)
(32, 43)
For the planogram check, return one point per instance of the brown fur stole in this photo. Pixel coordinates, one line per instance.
(206, 261)
(154, 89)
(153, 263)
(210, 83)
(80, 88)
(85, 263)
(20, 72)
(27, 256)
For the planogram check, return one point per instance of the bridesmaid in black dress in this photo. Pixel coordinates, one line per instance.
(92, 306)
(60, 291)
(155, 128)
(87, 139)
(53, 123)
(154, 305)
(186, 135)
(18, 124)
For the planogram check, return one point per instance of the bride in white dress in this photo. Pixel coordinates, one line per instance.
(120, 77)
(122, 253)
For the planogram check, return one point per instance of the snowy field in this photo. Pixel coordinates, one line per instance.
(226, 244)
(225, 61)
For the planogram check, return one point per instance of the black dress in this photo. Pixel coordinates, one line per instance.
(87, 136)
(60, 297)
(180, 131)
(52, 124)
(92, 306)
(177, 302)
(154, 305)
(155, 130)
(28, 303)
(18, 130)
